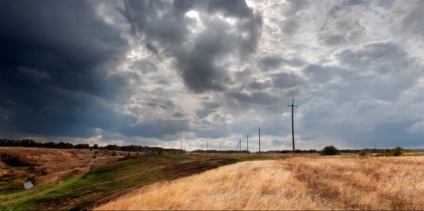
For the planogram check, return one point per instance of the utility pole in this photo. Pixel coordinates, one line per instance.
(219, 145)
(240, 144)
(292, 107)
(259, 138)
(247, 138)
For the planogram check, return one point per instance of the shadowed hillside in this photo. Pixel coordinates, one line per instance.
(45, 166)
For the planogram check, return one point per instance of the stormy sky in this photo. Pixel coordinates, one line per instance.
(160, 72)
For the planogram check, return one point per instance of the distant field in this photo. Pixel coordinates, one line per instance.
(78, 179)
(299, 183)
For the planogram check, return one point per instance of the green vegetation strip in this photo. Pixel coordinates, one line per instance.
(114, 179)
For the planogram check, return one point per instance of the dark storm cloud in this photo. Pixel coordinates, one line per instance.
(270, 63)
(54, 64)
(332, 39)
(58, 112)
(164, 27)
(33, 73)
(255, 85)
(257, 98)
(152, 48)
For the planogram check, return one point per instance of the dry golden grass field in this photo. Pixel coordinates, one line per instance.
(299, 183)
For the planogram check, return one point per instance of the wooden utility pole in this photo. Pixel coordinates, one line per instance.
(240, 144)
(292, 107)
(247, 138)
(259, 138)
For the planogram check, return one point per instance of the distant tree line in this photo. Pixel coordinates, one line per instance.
(64, 145)
(32, 143)
(220, 151)
(159, 150)
(298, 151)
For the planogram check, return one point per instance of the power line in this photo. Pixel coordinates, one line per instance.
(375, 58)
(379, 69)
(386, 52)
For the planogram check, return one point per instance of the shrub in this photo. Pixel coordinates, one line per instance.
(398, 151)
(330, 150)
(363, 153)
(384, 153)
(13, 161)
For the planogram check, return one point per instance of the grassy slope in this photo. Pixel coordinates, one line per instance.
(108, 181)
(299, 183)
(45, 166)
